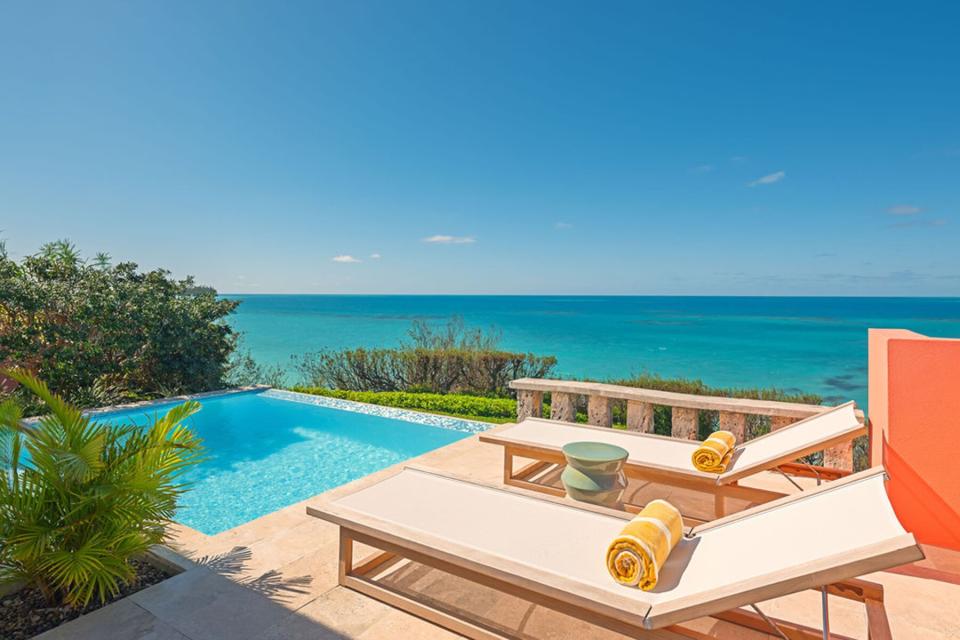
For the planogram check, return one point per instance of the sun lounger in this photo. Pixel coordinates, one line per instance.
(550, 552)
(666, 460)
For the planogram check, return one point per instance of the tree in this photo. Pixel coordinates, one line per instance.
(99, 333)
(450, 358)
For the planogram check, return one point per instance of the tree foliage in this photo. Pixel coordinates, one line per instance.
(79, 499)
(448, 359)
(99, 333)
(244, 370)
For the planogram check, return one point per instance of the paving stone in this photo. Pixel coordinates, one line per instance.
(204, 605)
(339, 613)
(398, 624)
(121, 620)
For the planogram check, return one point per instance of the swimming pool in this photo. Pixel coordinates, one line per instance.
(269, 449)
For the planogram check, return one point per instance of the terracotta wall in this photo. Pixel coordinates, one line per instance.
(914, 410)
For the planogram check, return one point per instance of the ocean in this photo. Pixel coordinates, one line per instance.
(810, 344)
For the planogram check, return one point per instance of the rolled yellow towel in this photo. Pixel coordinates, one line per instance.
(714, 454)
(635, 557)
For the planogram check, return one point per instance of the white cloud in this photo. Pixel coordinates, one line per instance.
(374, 256)
(738, 158)
(769, 179)
(703, 168)
(345, 259)
(441, 239)
(563, 225)
(904, 210)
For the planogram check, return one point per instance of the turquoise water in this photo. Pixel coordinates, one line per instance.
(810, 344)
(266, 453)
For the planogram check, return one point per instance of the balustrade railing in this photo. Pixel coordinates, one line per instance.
(685, 410)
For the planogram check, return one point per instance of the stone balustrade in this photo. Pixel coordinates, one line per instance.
(685, 410)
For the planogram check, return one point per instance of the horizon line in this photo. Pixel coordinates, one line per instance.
(588, 295)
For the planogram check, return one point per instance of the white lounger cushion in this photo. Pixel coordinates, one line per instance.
(673, 454)
(644, 449)
(835, 532)
(801, 436)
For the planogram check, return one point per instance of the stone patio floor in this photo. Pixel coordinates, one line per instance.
(275, 578)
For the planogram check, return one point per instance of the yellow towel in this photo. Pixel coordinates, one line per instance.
(635, 557)
(714, 454)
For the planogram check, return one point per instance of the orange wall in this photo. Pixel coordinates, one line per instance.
(914, 409)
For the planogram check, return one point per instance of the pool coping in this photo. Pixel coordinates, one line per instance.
(383, 411)
(396, 413)
(145, 404)
(129, 406)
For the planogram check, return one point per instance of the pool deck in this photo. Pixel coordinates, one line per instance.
(275, 578)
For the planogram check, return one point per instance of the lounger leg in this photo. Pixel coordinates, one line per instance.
(826, 613)
(507, 466)
(871, 595)
(345, 566)
(878, 627)
(719, 505)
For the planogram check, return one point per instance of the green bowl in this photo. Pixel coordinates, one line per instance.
(605, 489)
(595, 457)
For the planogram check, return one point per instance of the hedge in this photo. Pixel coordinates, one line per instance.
(462, 406)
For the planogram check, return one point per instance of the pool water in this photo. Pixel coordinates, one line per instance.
(267, 450)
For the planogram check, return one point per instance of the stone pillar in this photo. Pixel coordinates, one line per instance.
(685, 424)
(563, 406)
(639, 416)
(779, 422)
(735, 423)
(529, 404)
(839, 457)
(599, 411)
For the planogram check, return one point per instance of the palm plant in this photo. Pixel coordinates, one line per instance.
(79, 498)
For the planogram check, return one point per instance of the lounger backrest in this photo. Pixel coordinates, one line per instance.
(794, 441)
(841, 530)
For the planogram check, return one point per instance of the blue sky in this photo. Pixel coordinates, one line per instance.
(806, 148)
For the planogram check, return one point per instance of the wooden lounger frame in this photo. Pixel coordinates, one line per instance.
(544, 458)
(721, 487)
(400, 546)
(360, 578)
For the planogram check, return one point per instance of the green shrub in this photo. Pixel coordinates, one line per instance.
(80, 499)
(100, 334)
(698, 387)
(451, 359)
(463, 406)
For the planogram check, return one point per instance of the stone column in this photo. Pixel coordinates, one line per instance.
(779, 422)
(599, 411)
(529, 404)
(563, 406)
(685, 423)
(839, 457)
(639, 416)
(735, 423)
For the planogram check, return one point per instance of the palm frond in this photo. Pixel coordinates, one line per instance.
(86, 496)
(65, 413)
